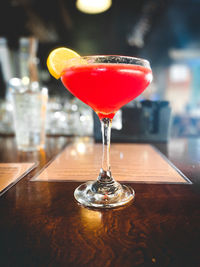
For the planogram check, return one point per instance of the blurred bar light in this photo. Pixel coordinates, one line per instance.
(180, 54)
(93, 6)
(179, 73)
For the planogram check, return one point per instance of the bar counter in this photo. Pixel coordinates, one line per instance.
(41, 224)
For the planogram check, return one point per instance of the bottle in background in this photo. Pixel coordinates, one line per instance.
(5, 63)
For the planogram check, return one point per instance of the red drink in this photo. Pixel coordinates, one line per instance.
(106, 87)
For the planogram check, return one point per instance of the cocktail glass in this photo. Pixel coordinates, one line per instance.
(106, 83)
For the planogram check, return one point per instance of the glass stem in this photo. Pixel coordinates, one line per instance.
(105, 172)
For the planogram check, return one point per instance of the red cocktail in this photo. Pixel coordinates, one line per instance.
(106, 87)
(106, 83)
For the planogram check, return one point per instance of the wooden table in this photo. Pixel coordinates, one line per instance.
(42, 225)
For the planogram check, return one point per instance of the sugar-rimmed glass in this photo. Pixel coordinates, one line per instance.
(106, 83)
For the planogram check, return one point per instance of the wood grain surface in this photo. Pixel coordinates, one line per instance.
(42, 225)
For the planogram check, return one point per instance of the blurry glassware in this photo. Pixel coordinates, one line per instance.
(68, 118)
(5, 64)
(85, 121)
(6, 118)
(29, 106)
(27, 59)
(56, 117)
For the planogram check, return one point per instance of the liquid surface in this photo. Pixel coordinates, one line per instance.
(106, 87)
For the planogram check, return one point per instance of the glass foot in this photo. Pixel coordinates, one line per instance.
(103, 195)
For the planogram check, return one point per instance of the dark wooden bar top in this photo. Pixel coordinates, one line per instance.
(42, 225)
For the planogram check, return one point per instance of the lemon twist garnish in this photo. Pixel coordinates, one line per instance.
(57, 60)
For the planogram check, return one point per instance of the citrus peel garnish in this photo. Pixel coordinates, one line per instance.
(59, 59)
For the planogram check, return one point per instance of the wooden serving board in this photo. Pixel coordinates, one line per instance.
(129, 163)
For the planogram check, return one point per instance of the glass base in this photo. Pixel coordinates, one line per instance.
(103, 195)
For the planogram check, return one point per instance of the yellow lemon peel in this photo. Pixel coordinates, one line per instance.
(59, 59)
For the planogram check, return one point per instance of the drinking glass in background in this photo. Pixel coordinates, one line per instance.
(29, 113)
(68, 117)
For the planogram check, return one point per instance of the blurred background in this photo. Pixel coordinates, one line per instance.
(166, 32)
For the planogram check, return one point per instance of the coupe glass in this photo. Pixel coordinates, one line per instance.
(106, 83)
